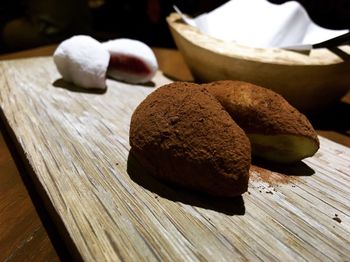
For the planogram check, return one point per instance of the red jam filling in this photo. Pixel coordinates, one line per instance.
(128, 64)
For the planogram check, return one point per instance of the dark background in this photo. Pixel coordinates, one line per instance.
(29, 23)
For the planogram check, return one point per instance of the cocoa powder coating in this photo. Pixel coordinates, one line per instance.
(182, 134)
(260, 110)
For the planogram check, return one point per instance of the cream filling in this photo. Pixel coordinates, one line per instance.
(282, 148)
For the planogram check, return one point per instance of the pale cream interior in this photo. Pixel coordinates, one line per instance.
(282, 148)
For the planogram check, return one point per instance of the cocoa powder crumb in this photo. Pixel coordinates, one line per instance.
(336, 218)
(272, 178)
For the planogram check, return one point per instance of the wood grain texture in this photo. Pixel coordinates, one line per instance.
(77, 145)
(22, 235)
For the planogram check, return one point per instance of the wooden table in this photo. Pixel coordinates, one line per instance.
(25, 230)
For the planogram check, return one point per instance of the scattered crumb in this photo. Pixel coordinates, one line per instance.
(116, 164)
(336, 218)
(293, 185)
(264, 189)
(156, 197)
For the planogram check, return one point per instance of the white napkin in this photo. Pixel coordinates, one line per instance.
(259, 23)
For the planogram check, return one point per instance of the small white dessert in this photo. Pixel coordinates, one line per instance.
(131, 61)
(83, 61)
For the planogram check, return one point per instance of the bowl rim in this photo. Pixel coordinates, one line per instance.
(316, 57)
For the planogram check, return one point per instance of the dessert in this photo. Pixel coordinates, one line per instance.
(277, 131)
(83, 61)
(131, 61)
(183, 135)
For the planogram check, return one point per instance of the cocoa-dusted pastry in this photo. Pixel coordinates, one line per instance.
(277, 131)
(182, 134)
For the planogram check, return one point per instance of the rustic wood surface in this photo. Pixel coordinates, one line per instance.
(23, 236)
(21, 231)
(77, 146)
(17, 237)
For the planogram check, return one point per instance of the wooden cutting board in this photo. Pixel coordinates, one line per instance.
(76, 145)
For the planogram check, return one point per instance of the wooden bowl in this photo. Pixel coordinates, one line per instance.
(310, 82)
